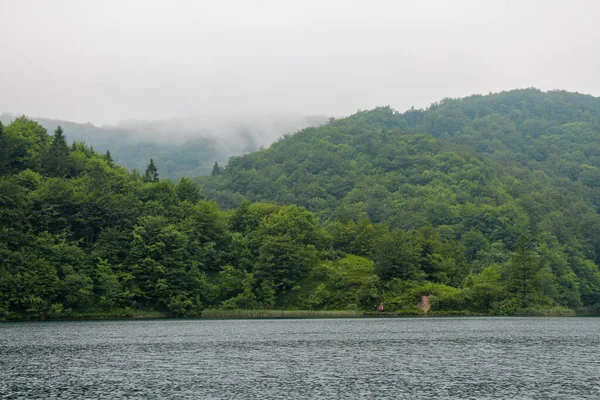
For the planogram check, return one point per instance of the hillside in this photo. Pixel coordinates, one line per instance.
(481, 171)
(180, 146)
(489, 211)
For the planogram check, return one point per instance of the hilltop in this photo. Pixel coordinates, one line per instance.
(487, 204)
(480, 171)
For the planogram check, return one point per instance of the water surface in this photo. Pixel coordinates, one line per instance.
(434, 358)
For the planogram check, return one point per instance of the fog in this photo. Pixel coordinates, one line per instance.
(259, 129)
(110, 61)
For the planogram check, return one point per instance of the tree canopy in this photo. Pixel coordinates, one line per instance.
(488, 204)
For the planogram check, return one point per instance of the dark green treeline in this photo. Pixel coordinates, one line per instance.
(484, 204)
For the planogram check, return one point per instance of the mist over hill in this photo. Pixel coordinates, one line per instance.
(482, 172)
(181, 146)
(485, 204)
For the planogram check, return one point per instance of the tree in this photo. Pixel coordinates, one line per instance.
(524, 271)
(187, 190)
(396, 257)
(3, 150)
(297, 223)
(151, 174)
(216, 169)
(25, 141)
(108, 158)
(283, 262)
(57, 160)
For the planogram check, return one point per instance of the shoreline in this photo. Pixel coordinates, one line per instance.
(213, 314)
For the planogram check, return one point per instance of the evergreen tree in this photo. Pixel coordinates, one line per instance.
(151, 174)
(57, 159)
(406, 214)
(216, 169)
(524, 271)
(3, 150)
(108, 158)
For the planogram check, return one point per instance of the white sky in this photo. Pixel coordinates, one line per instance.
(105, 61)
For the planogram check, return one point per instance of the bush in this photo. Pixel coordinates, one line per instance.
(509, 306)
(56, 310)
(182, 305)
(449, 300)
(4, 313)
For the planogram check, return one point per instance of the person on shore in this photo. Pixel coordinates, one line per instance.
(380, 307)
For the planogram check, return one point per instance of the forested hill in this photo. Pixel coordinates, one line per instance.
(480, 171)
(527, 154)
(180, 146)
(488, 204)
(513, 132)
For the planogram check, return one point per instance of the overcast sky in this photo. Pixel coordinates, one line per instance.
(105, 61)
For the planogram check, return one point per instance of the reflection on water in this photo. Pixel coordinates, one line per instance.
(436, 358)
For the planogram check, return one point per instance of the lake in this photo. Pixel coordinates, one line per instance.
(400, 358)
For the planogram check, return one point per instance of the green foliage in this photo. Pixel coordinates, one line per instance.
(181, 147)
(440, 194)
(151, 174)
(56, 161)
(485, 290)
(216, 169)
(487, 204)
(23, 143)
(187, 191)
(524, 278)
(396, 256)
(349, 282)
(283, 261)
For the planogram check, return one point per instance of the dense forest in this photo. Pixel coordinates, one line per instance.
(488, 204)
(180, 147)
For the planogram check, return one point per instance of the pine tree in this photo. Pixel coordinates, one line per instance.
(216, 169)
(3, 150)
(57, 160)
(151, 174)
(108, 158)
(524, 271)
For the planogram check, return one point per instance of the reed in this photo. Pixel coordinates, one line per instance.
(124, 313)
(546, 312)
(217, 313)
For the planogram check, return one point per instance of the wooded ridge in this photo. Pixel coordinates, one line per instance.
(488, 203)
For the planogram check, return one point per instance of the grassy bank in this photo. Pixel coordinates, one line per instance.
(118, 314)
(258, 314)
(216, 313)
(523, 312)
(546, 312)
(411, 313)
(125, 313)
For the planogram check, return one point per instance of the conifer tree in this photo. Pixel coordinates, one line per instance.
(216, 169)
(57, 160)
(108, 158)
(524, 271)
(151, 174)
(3, 150)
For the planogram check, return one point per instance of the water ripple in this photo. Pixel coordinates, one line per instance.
(443, 358)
